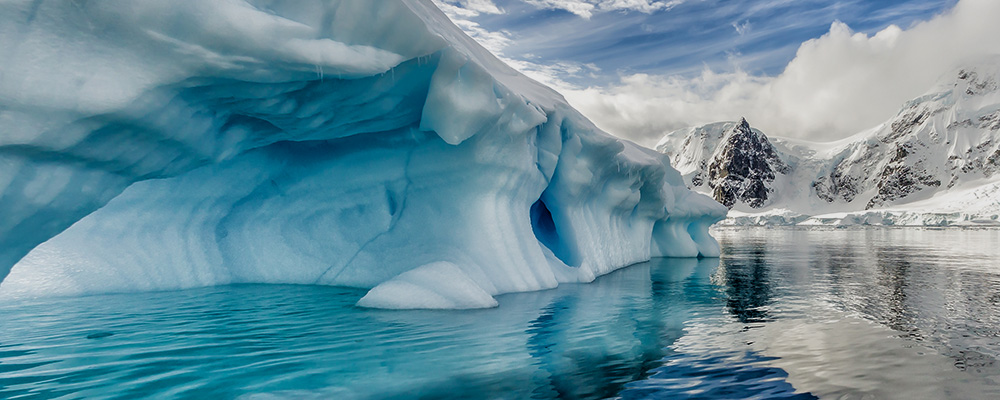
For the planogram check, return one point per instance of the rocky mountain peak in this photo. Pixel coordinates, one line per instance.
(742, 126)
(743, 167)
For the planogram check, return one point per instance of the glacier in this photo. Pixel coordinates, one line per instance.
(157, 145)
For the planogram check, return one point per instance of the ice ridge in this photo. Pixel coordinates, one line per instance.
(154, 145)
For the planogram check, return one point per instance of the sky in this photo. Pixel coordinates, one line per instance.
(818, 70)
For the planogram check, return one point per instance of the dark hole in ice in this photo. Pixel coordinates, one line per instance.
(390, 198)
(545, 231)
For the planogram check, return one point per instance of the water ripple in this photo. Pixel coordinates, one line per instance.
(784, 314)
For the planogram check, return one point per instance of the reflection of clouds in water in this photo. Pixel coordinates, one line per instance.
(933, 288)
(848, 357)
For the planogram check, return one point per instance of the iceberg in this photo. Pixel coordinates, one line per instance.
(152, 145)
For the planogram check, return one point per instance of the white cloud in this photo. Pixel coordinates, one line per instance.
(482, 6)
(581, 8)
(552, 74)
(586, 8)
(644, 6)
(837, 85)
(742, 27)
(459, 11)
(468, 8)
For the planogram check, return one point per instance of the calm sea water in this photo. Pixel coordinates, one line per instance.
(797, 314)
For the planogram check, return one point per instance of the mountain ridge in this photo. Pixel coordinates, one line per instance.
(944, 142)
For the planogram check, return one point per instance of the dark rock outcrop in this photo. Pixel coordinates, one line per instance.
(744, 168)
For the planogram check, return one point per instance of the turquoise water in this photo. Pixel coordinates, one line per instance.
(852, 314)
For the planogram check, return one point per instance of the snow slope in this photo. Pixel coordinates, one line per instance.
(150, 145)
(936, 162)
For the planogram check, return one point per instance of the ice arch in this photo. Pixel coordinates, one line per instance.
(154, 145)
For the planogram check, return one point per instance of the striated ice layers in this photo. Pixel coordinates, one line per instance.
(149, 145)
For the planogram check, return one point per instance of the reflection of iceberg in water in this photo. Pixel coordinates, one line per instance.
(578, 341)
(622, 341)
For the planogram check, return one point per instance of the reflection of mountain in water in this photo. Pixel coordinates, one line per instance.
(939, 288)
(705, 369)
(746, 279)
(889, 305)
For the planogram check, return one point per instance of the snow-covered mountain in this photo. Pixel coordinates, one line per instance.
(153, 145)
(935, 162)
(732, 161)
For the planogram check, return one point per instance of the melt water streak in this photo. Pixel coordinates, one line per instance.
(889, 313)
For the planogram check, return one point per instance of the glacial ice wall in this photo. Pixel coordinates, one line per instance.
(150, 145)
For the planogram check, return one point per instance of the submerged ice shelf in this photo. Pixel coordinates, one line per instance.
(151, 146)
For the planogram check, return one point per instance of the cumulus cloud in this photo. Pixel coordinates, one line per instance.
(643, 107)
(837, 85)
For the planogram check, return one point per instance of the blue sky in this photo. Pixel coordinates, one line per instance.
(760, 36)
(819, 70)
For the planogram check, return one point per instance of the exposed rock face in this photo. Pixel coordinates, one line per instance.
(900, 179)
(836, 186)
(744, 168)
(936, 140)
(731, 161)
